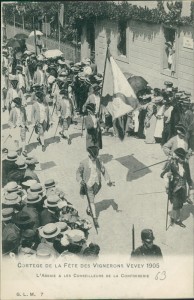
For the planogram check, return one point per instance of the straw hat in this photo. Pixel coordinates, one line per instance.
(52, 201)
(33, 198)
(50, 230)
(7, 214)
(11, 199)
(12, 186)
(12, 156)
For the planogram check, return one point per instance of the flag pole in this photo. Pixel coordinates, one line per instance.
(46, 29)
(59, 27)
(34, 36)
(108, 44)
(14, 22)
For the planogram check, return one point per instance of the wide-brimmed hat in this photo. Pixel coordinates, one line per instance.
(75, 235)
(50, 230)
(62, 204)
(63, 74)
(61, 62)
(93, 150)
(181, 153)
(31, 161)
(96, 87)
(147, 235)
(7, 214)
(36, 188)
(158, 99)
(52, 201)
(19, 68)
(64, 92)
(17, 101)
(21, 163)
(22, 218)
(43, 253)
(12, 156)
(75, 69)
(33, 198)
(169, 43)
(12, 78)
(11, 199)
(29, 182)
(36, 85)
(181, 129)
(63, 227)
(12, 186)
(50, 183)
(64, 241)
(91, 107)
(87, 80)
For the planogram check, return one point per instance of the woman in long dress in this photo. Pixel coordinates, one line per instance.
(159, 118)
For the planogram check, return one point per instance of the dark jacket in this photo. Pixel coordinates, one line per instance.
(47, 217)
(143, 252)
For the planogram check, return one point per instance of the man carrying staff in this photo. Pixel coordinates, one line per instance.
(178, 176)
(40, 117)
(93, 135)
(89, 176)
(94, 98)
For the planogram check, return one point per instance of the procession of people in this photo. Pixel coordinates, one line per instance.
(37, 218)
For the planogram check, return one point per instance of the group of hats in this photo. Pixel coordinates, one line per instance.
(52, 230)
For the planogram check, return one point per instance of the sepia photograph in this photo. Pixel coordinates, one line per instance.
(97, 150)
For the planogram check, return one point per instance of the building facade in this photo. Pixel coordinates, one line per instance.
(154, 51)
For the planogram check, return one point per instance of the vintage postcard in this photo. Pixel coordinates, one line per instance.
(97, 150)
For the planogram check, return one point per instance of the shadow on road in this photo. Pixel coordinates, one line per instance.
(75, 135)
(186, 211)
(48, 141)
(133, 164)
(105, 158)
(47, 165)
(5, 126)
(104, 205)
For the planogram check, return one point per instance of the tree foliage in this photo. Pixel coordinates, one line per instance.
(76, 13)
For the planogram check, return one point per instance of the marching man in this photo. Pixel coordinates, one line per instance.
(177, 179)
(40, 117)
(89, 176)
(18, 123)
(65, 106)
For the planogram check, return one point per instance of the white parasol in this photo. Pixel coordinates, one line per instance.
(37, 33)
(52, 53)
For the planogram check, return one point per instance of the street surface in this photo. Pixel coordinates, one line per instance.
(137, 198)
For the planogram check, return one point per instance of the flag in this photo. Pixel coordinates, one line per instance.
(118, 96)
(61, 14)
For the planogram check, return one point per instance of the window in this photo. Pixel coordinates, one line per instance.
(122, 38)
(169, 52)
(91, 37)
